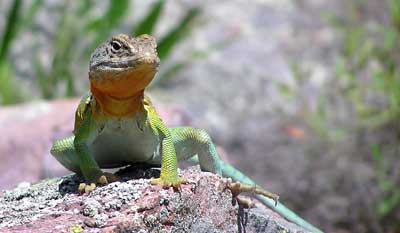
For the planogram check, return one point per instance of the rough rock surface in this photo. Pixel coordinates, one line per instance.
(133, 205)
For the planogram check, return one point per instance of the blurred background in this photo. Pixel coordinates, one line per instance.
(303, 96)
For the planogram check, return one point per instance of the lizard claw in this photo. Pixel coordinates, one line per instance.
(245, 202)
(166, 183)
(86, 188)
(109, 177)
(104, 179)
(238, 188)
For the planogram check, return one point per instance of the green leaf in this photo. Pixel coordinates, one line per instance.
(177, 33)
(10, 31)
(9, 93)
(146, 25)
(394, 7)
(390, 36)
(5, 80)
(64, 50)
(389, 204)
(285, 90)
(387, 185)
(378, 79)
(376, 153)
(354, 41)
(334, 20)
(110, 20)
(30, 15)
(85, 7)
(42, 77)
(115, 12)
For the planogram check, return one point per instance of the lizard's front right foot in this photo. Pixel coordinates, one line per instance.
(102, 179)
(169, 182)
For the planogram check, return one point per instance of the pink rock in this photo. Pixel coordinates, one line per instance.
(204, 204)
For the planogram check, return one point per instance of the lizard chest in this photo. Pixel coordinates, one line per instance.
(121, 141)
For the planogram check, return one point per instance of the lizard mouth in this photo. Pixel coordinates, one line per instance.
(123, 77)
(124, 64)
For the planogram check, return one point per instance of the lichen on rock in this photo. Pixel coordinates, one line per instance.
(133, 204)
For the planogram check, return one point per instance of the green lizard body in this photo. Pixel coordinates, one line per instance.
(116, 125)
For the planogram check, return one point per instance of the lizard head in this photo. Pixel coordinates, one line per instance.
(123, 66)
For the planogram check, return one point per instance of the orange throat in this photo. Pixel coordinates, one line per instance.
(116, 106)
(121, 94)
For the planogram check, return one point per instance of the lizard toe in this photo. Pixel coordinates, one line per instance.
(90, 188)
(102, 180)
(91, 184)
(166, 183)
(245, 202)
(81, 187)
(86, 188)
(238, 188)
(111, 177)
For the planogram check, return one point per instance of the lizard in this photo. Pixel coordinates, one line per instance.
(116, 124)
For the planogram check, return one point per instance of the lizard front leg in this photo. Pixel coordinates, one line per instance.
(88, 166)
(169, 162)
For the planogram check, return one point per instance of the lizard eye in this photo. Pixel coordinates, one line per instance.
(116, 45)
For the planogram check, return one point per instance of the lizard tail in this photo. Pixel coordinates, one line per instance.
(236, 175)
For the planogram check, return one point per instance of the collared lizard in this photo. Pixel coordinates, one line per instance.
(117, 125)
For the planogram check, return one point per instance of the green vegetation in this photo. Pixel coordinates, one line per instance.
(9, 92)
(78, 32)
(391, 199)
(370, 67)
(367, 85)
(371, 54)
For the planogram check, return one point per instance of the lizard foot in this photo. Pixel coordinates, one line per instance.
(166, 183)
(245, 202)
(238, 188)
(104, 179)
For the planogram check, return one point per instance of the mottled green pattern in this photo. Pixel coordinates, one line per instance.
(191, 141)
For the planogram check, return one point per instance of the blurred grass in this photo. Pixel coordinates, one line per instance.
(369, 70)
(11, 27)
(391, 199)
(147, 24)
(368, 88)
(372, 50)
(9, 91)
(318, 117)
(77, 33)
